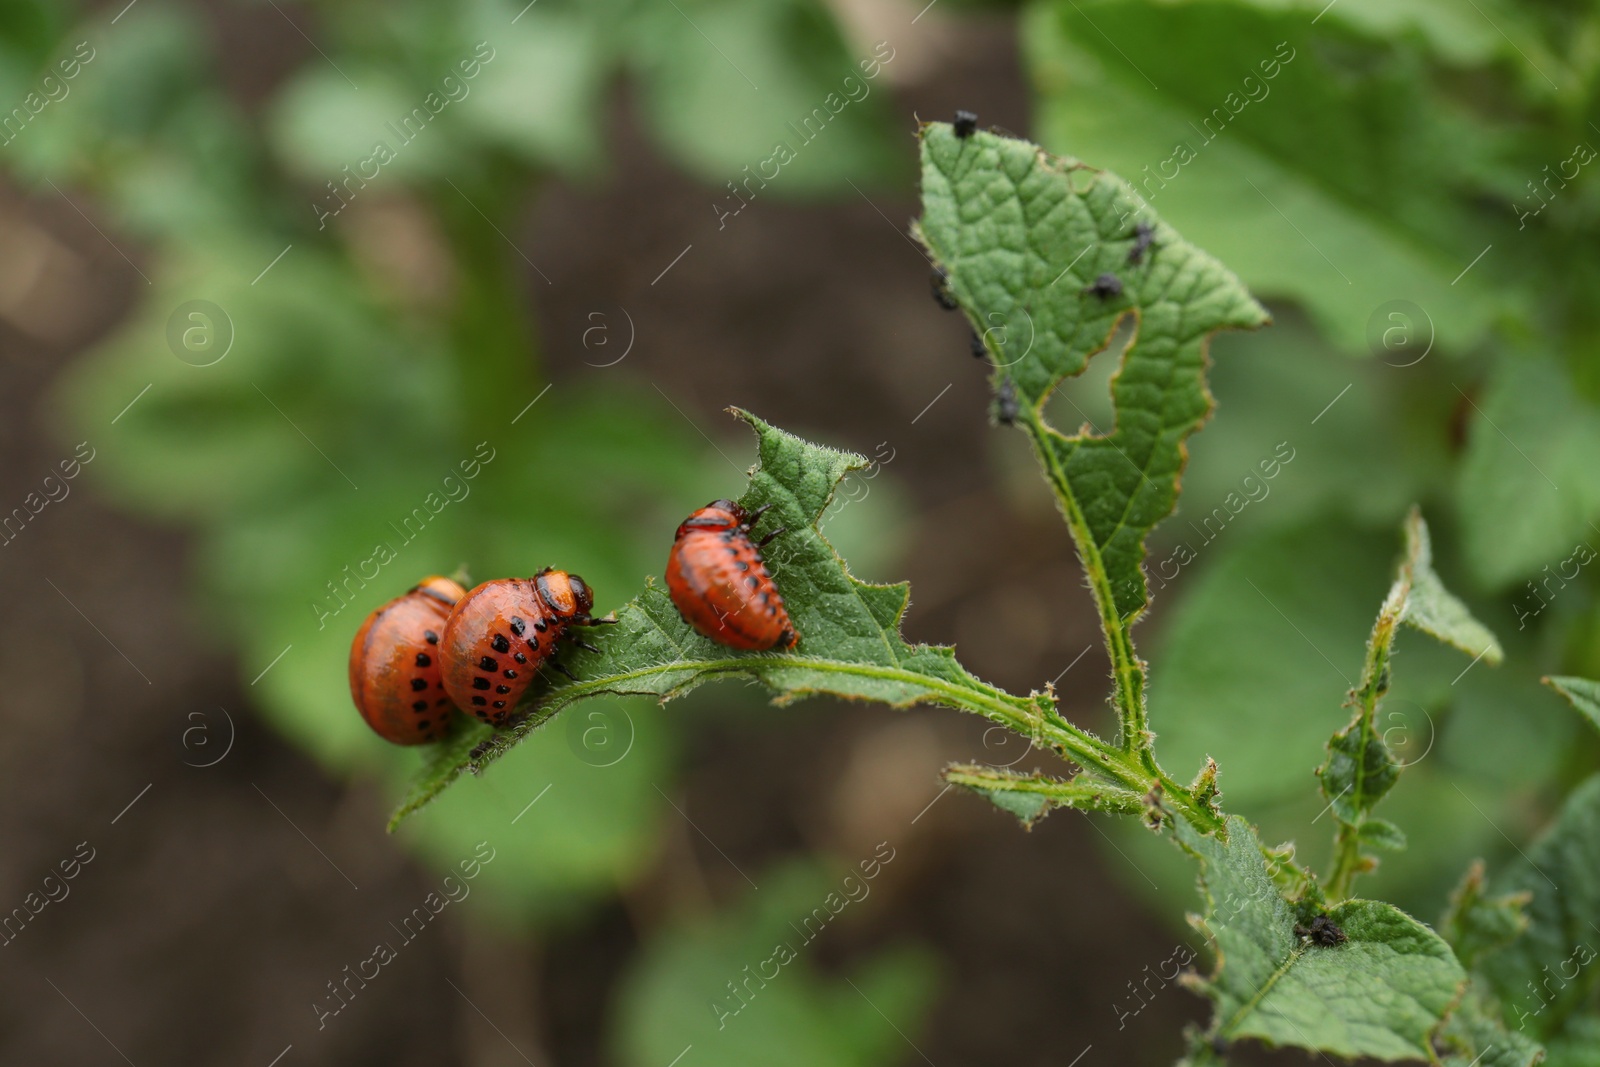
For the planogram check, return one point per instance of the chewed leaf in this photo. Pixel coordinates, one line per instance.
(1030, 797)
(1023, 237)
(850, 644)
(1360, 768)
(1378, 985)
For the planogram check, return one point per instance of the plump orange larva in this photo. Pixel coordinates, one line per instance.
(394, 665)
(716, 577)
(502, 632)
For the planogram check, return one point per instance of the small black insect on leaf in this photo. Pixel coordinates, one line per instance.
(1006, 408)
(966, 124)
(1323, 931)
(1105, 287)
(941, 294)
(1143, 237)
(979, 349)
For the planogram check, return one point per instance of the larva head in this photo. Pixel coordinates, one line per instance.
(716, 516)
(566, 595)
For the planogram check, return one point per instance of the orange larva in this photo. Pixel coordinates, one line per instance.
(500, 635)
(717, 579)
(394, 665)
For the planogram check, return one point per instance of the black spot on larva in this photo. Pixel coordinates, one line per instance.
(754, 581)
(480, 683)
(483, 715)
(441, 702)
(423, 660)
(533, 643)
(419, 684)
(421, 705)
(517, 625)
(742, 565)
(430, 637)
(479, 702)
(500, 643)
(489, 663)
(541, 626)
(520, 658)
(499, 703)
(502, 689)
(509, 673)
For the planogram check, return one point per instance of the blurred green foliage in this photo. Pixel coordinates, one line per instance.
(772, 1005)
(1342, 158)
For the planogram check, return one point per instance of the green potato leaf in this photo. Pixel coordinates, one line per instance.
(1582, 694)
(1383, 992)
(1550, 972)
(1046, 258)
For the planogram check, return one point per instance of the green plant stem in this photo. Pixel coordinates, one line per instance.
(1029, 717)
(1082, 792)
(1346, 862)
(1374, 684)
(1127, 668)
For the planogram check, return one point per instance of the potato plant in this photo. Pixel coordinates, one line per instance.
(1047, 257)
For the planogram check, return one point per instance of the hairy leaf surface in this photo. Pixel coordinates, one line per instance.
(1382, 993)
(1022, 235)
